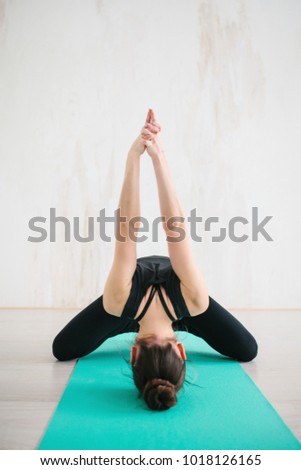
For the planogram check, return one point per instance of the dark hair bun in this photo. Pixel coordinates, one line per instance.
(159, 394)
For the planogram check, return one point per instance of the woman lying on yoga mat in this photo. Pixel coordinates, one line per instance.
(154, 295)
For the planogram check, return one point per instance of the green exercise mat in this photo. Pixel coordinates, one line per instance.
(219, 407)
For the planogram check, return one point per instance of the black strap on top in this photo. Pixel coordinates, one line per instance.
(164, 304)
(150, 298)
(155, 287)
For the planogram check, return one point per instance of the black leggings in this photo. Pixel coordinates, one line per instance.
(93, 325)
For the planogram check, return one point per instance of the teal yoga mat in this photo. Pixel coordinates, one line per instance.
(220, 409)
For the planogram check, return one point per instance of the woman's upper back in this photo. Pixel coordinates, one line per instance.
(155, 274)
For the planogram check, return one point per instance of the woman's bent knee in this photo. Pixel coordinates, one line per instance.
(249, 353)
(59, 351)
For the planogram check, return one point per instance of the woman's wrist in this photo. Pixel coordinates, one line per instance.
(133, 159)
(133, 155)
(158, 158)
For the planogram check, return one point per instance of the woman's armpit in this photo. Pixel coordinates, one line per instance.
(197, 302)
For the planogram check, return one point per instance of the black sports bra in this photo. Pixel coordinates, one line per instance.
(156, 287)
(155, 271)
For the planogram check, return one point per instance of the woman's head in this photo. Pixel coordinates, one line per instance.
(158, 370)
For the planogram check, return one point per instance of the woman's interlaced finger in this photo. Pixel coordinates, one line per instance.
(147, 134)
(155, 129)
(153, 126)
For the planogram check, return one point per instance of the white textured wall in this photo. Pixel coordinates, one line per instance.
(76, 80)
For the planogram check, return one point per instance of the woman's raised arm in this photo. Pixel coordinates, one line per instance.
(118, 283)
(174, 223)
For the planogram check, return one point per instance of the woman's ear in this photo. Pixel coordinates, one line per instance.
(133, 354)
(182, 351)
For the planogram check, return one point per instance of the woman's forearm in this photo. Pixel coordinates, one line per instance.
(129, 201)
(169, 203)
(171, 210)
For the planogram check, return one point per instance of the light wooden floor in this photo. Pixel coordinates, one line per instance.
(32, 381)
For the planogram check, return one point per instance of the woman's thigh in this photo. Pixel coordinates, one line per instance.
(223, 332)
(88, 330)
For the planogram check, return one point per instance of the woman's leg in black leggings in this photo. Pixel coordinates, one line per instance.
(223, 332)
(88, 330)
